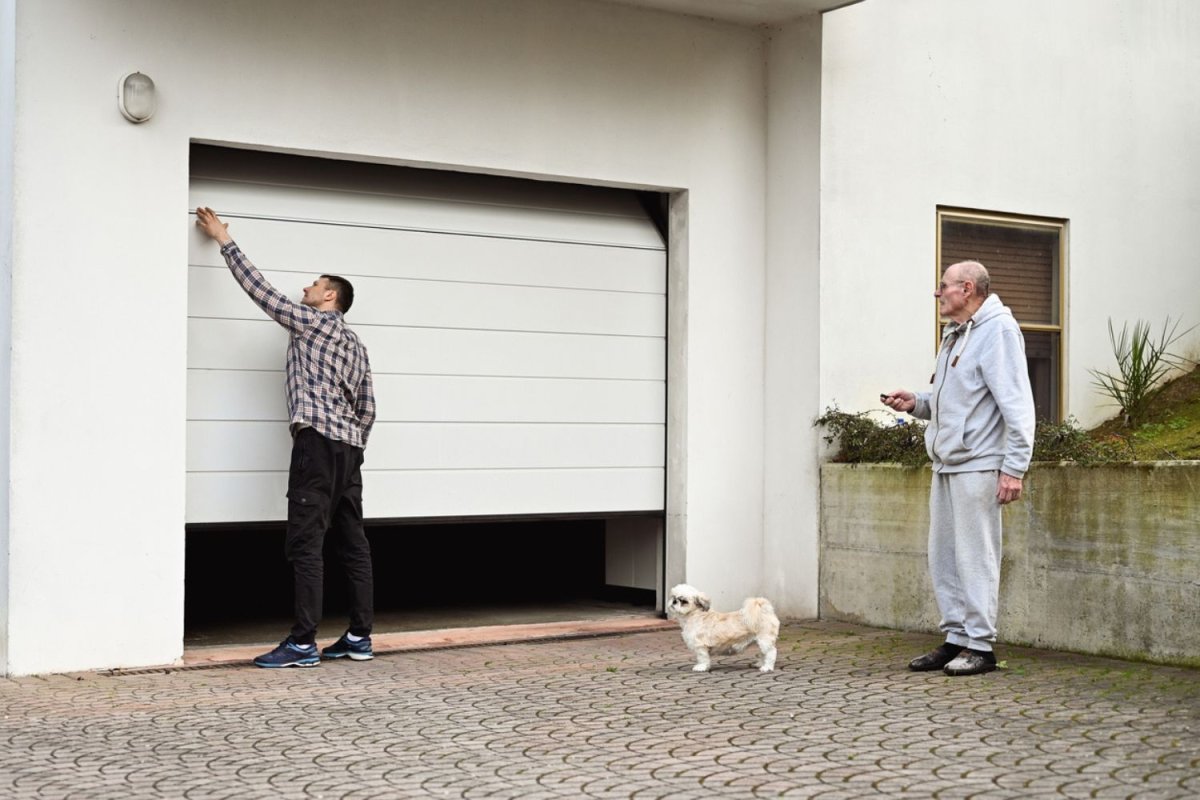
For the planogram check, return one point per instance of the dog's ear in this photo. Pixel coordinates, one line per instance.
(703, 601)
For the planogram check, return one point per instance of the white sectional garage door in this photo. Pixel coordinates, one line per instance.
(516, 332)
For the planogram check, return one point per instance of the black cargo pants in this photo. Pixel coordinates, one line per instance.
(325, 494)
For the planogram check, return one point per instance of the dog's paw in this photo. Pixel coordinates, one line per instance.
(700, 668)
(765, 668)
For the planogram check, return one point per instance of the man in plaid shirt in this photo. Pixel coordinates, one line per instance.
(331, 408)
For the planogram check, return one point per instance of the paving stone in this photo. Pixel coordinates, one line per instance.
(613, 717)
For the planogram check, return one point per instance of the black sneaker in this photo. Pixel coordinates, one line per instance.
(358, 651)
(935, 659)
(289, 654)
(971, 662)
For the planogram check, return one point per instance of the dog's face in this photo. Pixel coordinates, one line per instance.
(686, 600)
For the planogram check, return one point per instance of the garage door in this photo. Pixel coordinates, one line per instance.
(516, 332)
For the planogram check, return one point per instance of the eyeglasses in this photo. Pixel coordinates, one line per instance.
(943, 286)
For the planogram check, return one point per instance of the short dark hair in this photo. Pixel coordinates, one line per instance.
(344, 289)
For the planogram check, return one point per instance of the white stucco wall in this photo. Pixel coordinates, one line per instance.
(7, 115)
(563, 89)
(1078, 109)
(791, 480)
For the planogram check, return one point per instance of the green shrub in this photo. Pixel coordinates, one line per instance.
(861, 439)
(1066, 441)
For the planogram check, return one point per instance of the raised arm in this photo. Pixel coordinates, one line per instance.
(291, 315)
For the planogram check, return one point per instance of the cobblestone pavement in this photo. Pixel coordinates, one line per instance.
(613, 717)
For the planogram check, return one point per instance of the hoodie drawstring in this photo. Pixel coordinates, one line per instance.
(948, 337)
(966, 338)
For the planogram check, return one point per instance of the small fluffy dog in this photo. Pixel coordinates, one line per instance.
(708, 633)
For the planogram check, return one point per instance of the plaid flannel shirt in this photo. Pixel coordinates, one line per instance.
(328, 375)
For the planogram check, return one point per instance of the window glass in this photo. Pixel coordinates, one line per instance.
(1023, 257)
(1041, 351)
(1023, 264)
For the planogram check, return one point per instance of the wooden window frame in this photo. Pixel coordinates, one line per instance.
(1059, 281)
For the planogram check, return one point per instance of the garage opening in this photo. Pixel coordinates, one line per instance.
(517, 335)
(429, 576)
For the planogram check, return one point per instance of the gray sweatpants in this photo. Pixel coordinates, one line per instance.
(964, 555)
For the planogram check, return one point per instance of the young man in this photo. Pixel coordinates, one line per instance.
(980, 439)
(331, 407)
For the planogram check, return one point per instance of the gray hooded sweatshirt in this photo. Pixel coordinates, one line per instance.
(980, 406)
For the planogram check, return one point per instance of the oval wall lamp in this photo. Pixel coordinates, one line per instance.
(135, 97)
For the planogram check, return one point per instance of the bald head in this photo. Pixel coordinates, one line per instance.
(962, 291)
(974, 272)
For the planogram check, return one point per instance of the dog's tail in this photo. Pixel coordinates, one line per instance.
(758, 614)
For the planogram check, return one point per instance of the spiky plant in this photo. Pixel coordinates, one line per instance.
(1142, 363)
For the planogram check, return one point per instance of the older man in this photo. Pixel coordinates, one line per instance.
(980, 439)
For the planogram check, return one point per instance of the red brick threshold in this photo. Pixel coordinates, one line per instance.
(445, 638)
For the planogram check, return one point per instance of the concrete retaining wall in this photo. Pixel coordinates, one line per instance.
(1102, 560)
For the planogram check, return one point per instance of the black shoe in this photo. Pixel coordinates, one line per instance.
(971, 662)
(358, 651)
(935, 659)
(289, 654)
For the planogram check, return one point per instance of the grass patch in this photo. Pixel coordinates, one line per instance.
(1171, 427)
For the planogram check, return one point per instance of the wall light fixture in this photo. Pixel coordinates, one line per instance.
(135, 97)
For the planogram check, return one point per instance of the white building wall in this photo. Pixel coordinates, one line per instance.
(791, 478)
(1080, 109)
(8, 65)
(563, 89)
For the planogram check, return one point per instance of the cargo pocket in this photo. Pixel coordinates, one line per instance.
(304, 499)
(305, 505)
(308, 517)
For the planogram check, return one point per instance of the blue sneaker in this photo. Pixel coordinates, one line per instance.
(289, 654)
(358, 651)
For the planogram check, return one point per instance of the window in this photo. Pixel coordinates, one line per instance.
(1025, 257)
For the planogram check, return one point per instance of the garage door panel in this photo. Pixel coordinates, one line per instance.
(221, 344)
(213, 293)
(535, 355)
(233, 199)
(259, 395)
(251, 395)
(516, 331)
(224, 394)
(234, 497)
(255, 497)
(437, 304)
(215, 446)
(311, 250)
(260, 345)
(444, 304)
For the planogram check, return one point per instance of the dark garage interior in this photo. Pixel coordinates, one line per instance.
(427, 576)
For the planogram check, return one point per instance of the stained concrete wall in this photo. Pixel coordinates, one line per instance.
(1102, 560)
